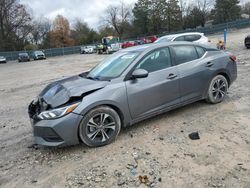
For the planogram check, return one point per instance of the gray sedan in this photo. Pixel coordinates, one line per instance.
(127, 87)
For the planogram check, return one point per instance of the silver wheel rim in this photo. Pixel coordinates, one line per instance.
(219, 89)
(101, 127)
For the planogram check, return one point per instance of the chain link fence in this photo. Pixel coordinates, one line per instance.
(13, 55)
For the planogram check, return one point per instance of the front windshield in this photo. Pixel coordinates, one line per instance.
(112, 66)
(164, 39)
(38, 52)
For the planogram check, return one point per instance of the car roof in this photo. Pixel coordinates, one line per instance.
(182, 34)
(152, 46)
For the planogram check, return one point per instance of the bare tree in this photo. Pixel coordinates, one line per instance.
(118, 17)
(15, 24)
(40, 30)
(200, 10)
(205, 5)
(246, 8)
(183, 6)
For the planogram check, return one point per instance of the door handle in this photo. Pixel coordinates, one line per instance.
(172, 76)
(209, 64)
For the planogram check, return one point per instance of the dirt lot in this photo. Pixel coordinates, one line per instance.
(158, 148)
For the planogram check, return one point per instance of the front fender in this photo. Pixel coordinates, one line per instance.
(114, 96)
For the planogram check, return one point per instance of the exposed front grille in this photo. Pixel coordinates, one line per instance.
(47, 134)
(36, 107)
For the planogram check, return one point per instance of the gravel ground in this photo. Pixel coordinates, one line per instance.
(159, 149)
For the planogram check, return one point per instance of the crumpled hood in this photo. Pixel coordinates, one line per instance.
(60, 92)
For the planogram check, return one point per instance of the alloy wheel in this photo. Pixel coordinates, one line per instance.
(219, 89)
(101, 127)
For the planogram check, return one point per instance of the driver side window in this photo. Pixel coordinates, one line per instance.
(156, 60)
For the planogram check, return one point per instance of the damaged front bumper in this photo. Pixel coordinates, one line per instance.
(62, 131)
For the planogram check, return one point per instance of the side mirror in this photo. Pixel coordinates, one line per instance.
(140, 73)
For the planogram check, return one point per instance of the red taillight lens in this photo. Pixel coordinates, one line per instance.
(233, 58)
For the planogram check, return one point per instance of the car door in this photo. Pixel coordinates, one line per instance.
(157, 91)
(192, 70)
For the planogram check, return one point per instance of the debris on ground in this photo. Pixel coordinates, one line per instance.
(33, 146)
(144, 179)
(194, 136)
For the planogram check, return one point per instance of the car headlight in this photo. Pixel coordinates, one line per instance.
(58, 112)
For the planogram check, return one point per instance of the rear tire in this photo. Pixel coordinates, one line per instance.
(217, 89)
(100, 126)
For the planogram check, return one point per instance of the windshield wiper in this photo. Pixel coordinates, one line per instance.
(92, 78)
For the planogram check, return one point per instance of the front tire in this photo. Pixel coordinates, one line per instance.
(100, 126)
(217, 89)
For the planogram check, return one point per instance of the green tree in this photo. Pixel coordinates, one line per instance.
(194, 18)
(141, 16)
(80, 32)
(226, 10)
(106, 31)
(173, 15)
(156, 16)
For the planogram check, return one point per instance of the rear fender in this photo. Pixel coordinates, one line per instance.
(220, 71)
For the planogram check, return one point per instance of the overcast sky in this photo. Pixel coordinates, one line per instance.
(88, 10)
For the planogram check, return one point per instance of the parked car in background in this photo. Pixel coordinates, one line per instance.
(93, 106)
(87, 49)
(153, 38)
(247, 41)
(129, 44)
(3, 59)
(139, 42)
(145, 40)
(38, 55)
(189, 37)
(23, 57)
(149, 39)
(109, 45)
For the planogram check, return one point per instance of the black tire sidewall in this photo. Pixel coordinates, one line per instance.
(83, 126)
(210, 97)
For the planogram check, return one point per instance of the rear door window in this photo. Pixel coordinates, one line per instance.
(200, 51)
(185, 54)
(181, 38)
(192, 38)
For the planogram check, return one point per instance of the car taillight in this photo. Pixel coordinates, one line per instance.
(233, 58)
